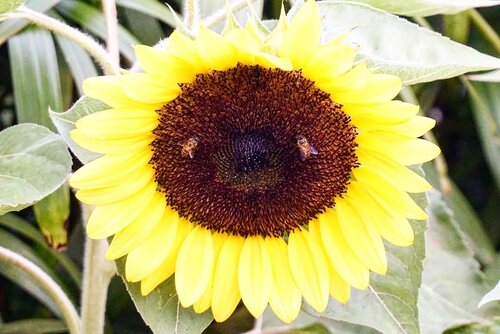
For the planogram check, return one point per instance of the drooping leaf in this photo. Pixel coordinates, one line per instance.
(65, 122)
(34, 162)
(34, 326)
(427, 7)
(35, 76)
(92, 19)
(12, 27)
(452, 283)
(161, 309)
(52, 214)
(389, 305)
(145, 28)
(151, 8)
(391, 44)
(485, 103)
(493, 295)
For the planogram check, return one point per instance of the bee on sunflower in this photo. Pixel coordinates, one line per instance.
(262, 169)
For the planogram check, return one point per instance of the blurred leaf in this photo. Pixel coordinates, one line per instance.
(452, 281)
(162, 311)
(493, 295)
(9, 5)
(389, 305)
(12, 27)
(34, 326)
(92, 19)
(34, 162)
(151, 8)
(493, 76)
(35, 76)
(465, 216)
(147, 29)
(25, 229)
(457, 27)
(485, 102)
(51, 214)
(393, 45)
(493, 328)
(19, 277)
(427, 7)
(65, 122)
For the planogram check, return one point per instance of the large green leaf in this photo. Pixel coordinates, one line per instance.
(394, 45)
(92, 19)
(145, 28)
(35, 76)
(427, 7)
(485, 102)
(161, 309)
(34, 326)
(389, 305)
(452, 283)
(34, 162)
(65, 122)
(12, 27)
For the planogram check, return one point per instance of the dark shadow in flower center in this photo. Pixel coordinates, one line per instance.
(236, 151)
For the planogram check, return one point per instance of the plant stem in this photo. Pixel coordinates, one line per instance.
(487, 31)
(109, 8)
(97, 273)
(85, 41)
(423, 22)
(46, 283)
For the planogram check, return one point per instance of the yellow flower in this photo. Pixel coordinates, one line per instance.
(261, 169)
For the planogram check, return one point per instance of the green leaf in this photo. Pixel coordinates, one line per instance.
(34, 326)
(389, 305)
(452, 283)
(34, 162)
(9, 5)
(427, 7)
(394, 45)
(161, 309)
(35, 76)
(485, 102)
(25, 229)
(92, 19)
(65, 122)
(457, 27)
(52, 214)
(151, 8)
(493, 295)
(11, 27)
(147, 30)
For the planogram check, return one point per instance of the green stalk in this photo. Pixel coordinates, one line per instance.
(485, 28)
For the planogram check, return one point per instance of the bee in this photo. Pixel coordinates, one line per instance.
(305, 149)
(189, 146)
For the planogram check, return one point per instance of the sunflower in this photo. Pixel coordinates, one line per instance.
(262, 169)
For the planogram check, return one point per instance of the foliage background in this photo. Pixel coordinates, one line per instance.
(470, 142)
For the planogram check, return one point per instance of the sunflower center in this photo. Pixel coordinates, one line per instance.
(252, 151)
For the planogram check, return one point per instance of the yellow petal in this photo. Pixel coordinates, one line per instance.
(167, 268)
(389, 196)
(148, 88)
(202, 304)
(138, 179)
(255, 275)
(406, 152)
(109, 170)
(331, 60)
(275, 39)
(378, 88)
(393, 172)
(390, 112)
(301, 39)
(225, 292)
(106, 220)
(285, 298)
(194, 265)
(148, 256)
(185, 48)
(414, 127)
(341, 257)
(339, 289)
(216, 51)
(115, 146)
(361, 236)
(134, 233)
(353, 79)
(161, 63)
(309, 268)
(109, 90)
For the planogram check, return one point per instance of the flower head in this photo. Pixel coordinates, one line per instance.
(258, 169)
